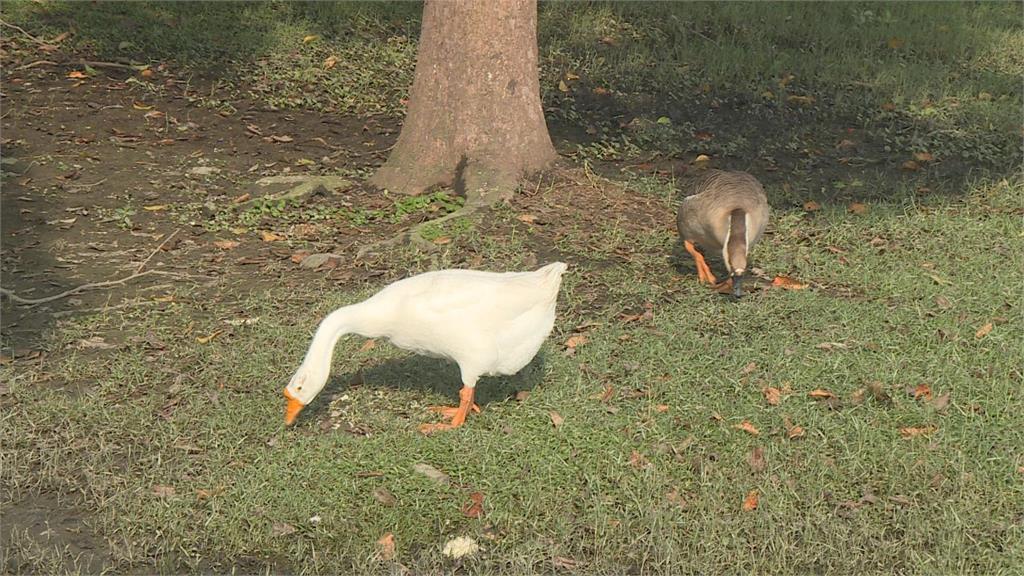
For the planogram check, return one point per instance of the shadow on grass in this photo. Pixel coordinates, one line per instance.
(429, 375)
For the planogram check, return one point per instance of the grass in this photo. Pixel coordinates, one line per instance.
(851, 495)
(172, 444)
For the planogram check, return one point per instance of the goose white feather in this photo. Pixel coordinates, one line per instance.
(488, 323)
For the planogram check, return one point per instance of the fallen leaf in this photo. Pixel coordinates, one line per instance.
(772, 395)
(858, 396)
(923, 157)
(857, 208)
(156, 207)
(576, 340)
(226, 244)
(661, 408)
(386, 546)
(701, 160)
(460, 546)
(206, 339)
(820, 394)
(846, 144)
(895, 43)
(368, 345)
(800, 100)
(475, 507)
(95, 343)
(878, 392)
(442, 240)
(703, 135)
(384, 496)
(268, 236)
(747, 427)
(282, 139)
(941, 402)
(888, 106)
(564, 563)
(163, 491)
(330, 62)
(943, 302)
(912, 431)
(278, 529)
(750, 502)
(788, 283)
(638, 460)
(431, 472)
(153, 115)
(77, 75)
(299, 256)
(562, 86)
(756, 460)
(750, 367)
(674, 497)
(811, 206)
(314, 261)
(528, 218)
(910, 166)
(146, 73)
(609, 391)
(600, 91)
(141, 106)
(983, 331)
(794, 432)
(522, 395)
(922, 391)
(556, 418)
(310, 38)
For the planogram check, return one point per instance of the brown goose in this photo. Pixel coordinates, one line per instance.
(727, 213)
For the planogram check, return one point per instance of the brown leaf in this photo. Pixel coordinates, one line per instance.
(811, 206)
(943, 302)
(888, 106)
(857, 208)
(800, 100)
(564, 563)
(910, 166)
(310, 38)
(772, 395)
(278, 529)
(702, 135)
(562, 86)
(163, 491)
(77, 75)
(522, 395)
(330, 62)
(794, 432)
(207, 339)
(268, 236)
(141, 106)
(846, 144)
(895, 43)
(576, 340)
(431, 472)
(556, 419)
(638, 460)
(226, 244)
(858, 396)
(528, 218)
(788, 283)
(600, 91)
(661, 408)
(384, 496)
(750, 502)
(941, 402)
(878, 392)
(821, 394)
(756, 460)
(475, 507)
(912, 431)
(608, 393)
(674, 497)
(750, 367)
(923, 157)
(368, 345)
(281, 139)
(983, 331)
(922, 391)
(386, 546)
(747, 427)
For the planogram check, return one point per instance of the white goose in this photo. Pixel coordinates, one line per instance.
(489, 323)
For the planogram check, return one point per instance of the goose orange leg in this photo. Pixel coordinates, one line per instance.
(456, 415)
(704, 273)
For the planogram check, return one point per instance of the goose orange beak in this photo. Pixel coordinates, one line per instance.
(293, 409)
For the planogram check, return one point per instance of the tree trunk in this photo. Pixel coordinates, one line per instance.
(475, 119)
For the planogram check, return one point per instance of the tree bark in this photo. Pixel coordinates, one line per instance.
(475, 119)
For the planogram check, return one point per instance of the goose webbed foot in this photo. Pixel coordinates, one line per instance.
(456, 415)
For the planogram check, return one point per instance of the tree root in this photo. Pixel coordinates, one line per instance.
(414, 235)
(91, 286)
(304, 186)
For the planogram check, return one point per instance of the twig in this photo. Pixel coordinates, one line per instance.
(97, 64)
(91, 286)
(22, 30)
(36, 63)
(153, 253)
